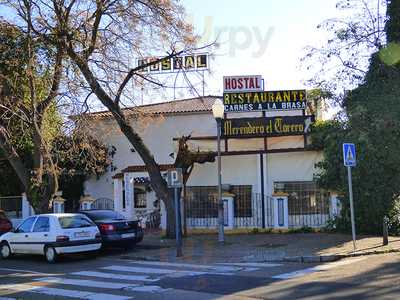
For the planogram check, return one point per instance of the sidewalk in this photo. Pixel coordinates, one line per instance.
(299, 247)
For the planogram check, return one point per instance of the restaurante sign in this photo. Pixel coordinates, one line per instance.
(267, 100)
(266, 127)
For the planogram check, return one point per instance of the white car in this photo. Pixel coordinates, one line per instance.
(51, 235)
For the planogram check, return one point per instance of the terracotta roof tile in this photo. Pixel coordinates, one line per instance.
(118, 176)
(199, 104)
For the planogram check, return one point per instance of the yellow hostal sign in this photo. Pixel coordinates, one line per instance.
(266, 127)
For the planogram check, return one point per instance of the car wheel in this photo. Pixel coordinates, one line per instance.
(50, 254)
(5, 250)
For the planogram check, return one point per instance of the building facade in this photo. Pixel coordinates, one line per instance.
(267, 182)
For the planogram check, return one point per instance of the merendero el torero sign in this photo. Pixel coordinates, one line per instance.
(267, 100)
(266, 127)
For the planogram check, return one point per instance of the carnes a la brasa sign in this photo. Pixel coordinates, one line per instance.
(246, 83)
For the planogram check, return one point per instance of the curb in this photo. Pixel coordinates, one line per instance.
(293, 259)
(330, 258)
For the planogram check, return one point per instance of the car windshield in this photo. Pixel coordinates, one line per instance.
(77, 221)
(105, 215)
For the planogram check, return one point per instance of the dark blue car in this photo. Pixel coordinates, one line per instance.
(114, 228)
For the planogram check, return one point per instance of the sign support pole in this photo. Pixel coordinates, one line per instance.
(177, 224)
(175, 180)
(220, 203)
(353, 228)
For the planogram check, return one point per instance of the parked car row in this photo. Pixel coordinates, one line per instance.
(55, 234)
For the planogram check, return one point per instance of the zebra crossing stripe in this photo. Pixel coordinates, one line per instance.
(87, 283)
(103, 284)
(147, 288)
(319, 268)
(254, 264)
(61, 292)
(26, 271)
(153, 271)
(294, 274)
(114, 276)
(185, 265)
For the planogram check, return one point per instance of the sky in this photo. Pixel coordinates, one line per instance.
(255, 37)
(259, 37)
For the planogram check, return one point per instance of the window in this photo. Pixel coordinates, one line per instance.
(202, 201)
(242, 201)
(304, 197)
(12, 206)
(42, 225)
(140, 198)
(97, 215)
(76, 221)
(26, 225)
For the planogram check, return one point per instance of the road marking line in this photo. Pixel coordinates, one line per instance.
(114, 276)
(6, 298)
(185, 265)
(27, 271)
(61, 292)
(153, 271)
(87, 283)
(253, 264)
(167, 272)
(147, 289)
(319, 268)
(103, 284)
(295, 273)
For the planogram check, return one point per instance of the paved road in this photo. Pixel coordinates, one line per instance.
(113, 278)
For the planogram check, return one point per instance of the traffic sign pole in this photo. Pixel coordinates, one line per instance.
(349, 161)
(177, 224)
(175, 180)
(353, 227)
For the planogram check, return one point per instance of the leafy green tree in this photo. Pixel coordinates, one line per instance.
(77, 157)
(373, 124)
(29, 82)
(341, 63)
(35, 153)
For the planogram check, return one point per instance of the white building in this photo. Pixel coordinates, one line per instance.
(267, 181)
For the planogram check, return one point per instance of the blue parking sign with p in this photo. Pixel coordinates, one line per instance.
(349, 155)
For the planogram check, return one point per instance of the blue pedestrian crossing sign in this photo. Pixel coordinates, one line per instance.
(349, 155)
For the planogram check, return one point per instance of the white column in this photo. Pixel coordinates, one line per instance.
(163, 212)
(228, 211)
(27, 210)
(86, 202)
(334, 207)
(129, 195)
(118, 195)
(281, 212)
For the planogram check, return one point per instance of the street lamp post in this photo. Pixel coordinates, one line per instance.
(218, 113)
